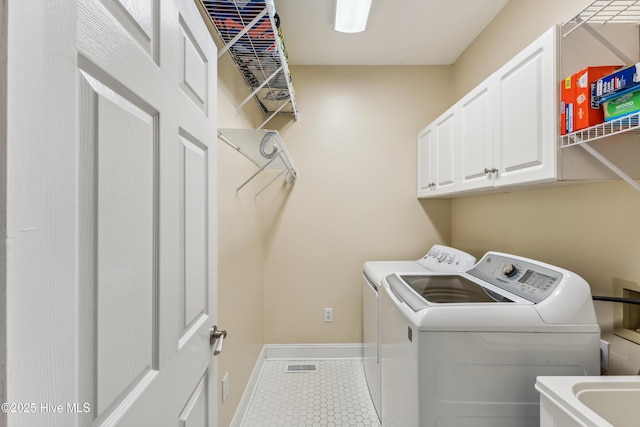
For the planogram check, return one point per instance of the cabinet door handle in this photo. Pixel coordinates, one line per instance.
(493, 170)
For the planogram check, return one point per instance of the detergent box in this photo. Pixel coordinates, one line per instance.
(586, 110)
(567, 100)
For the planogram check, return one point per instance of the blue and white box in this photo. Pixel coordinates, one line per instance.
(621, 79)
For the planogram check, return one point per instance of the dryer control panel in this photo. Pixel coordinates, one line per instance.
(447, 260)
(525, 278)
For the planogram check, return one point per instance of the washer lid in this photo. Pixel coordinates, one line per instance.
(377, 270)
(451, 289)
(422, 290)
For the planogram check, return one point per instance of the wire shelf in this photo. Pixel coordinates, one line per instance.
(610, 12)
(630, 123)
(250, 31)
(600, 13)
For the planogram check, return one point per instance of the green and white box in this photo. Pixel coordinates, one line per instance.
(622, 105)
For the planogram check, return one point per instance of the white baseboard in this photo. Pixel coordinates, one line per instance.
(236, 421)
(313, 351)
(291, 351)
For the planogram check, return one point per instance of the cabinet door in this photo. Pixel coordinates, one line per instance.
(425, 167)
(444, 145)
(476, 120)
(527, 114)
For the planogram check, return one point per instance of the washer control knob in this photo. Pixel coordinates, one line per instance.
(509, 270)
(442, 256)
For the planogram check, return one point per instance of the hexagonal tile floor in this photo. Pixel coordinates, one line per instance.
(335, 394)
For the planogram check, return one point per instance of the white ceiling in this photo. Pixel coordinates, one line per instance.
(399, 32)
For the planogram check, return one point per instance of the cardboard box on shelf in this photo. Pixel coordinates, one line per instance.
(567, 100)
(618, 80)
(621, 104)
(586, 111)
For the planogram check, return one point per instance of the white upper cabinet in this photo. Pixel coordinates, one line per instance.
(527, 114)
(477, 120)
(505, 132)
(502, 133)
(436, 156)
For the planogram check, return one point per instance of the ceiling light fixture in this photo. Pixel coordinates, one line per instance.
(351, 15)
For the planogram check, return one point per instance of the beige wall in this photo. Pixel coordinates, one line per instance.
(591, 229)
(354, 145)
(240, 246)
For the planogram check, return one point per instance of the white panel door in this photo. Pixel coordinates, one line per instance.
(425, 161)
(476, 119)
(527, 108)
(445, 129)
(111, 216)
(436, 156)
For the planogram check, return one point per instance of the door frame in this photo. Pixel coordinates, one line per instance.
(3, 204)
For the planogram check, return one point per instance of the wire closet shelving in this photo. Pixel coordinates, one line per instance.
(597, 14)
(250, 31)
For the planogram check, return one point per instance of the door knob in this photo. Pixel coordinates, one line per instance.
(216, 338)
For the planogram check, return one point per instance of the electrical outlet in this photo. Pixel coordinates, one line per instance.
(328, 314)
(604, 355)
(225, 387)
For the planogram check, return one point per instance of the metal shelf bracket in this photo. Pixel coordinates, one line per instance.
(265, 149)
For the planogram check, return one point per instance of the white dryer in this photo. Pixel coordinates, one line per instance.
(465, 349)
(439, 259)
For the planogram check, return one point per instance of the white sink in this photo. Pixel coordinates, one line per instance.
(607, 401)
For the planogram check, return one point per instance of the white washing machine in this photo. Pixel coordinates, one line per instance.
(438, 259)
(464, 350)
